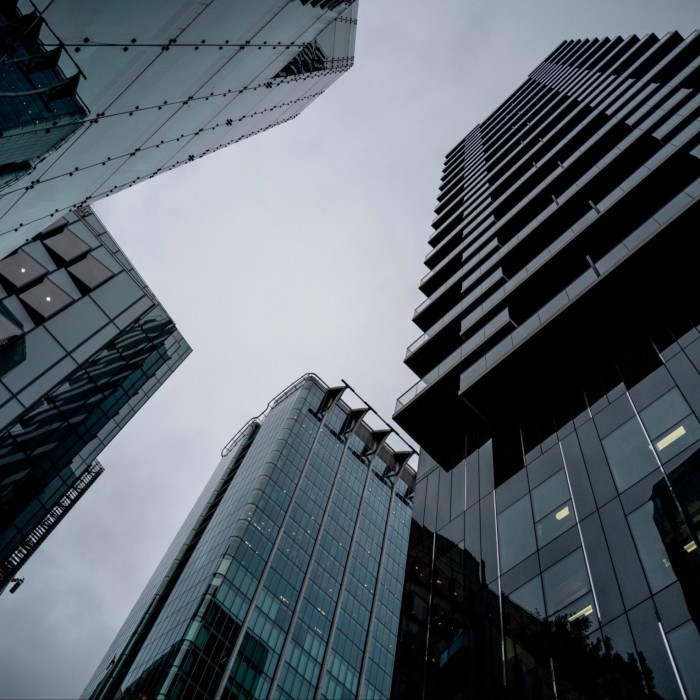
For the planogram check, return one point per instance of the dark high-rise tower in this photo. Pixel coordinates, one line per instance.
(555, 547)
(285, 579)
(98, 96)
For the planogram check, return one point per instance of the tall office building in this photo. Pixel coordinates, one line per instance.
(98, 96)
(285, 579)
(555, 547)
(83, 345)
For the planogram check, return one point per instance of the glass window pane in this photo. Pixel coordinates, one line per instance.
(516, 533)
(628, 454)
(550, 494)
(117, 294)
(685, 645)
(90, 271)
(20, 269)
(659, 416)
(552, 525)
(77, 323)
(67, 245)
(45, 299)
(652, 552)
(42, 352)
(677, 438)
(565, 582)
(530, 597)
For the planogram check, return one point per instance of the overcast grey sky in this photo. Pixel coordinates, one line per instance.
(297, 250)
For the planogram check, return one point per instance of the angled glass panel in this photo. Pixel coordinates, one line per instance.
(67, 246)
(555, 523)
(565, 582)
(90, 271)
(45, 299)
(655, 558)
(21, 269)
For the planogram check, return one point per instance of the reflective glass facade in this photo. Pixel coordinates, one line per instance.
(285, 580)
(162, 84)
(555, 544)
(83, 345)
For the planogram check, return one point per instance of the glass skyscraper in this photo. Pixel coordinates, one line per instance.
(98, 96)
(555, 544)
(83, 344)
(285, 579)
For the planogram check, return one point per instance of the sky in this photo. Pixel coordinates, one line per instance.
(297, 250)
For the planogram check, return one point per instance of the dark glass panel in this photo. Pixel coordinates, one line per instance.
(42, 352)
(597, 466)
(66, 245)
(444, 499)
(628, 454)
(472, 532)
(578, 476)
(20, 270)
(559, 547)
(651, 388)
(687, 378)
(530, 597)
(458, 502)
(45, 299)
(565, 583)
(488, 538)
(602, 570)
(685, 646)
(652, 552)
(654, 660)
(550, 494)
(612, 417)
(510, 491)
(472, 472)
(90, 272)
(516, 533)
(431, 499)
(486, 482)
(546, 465)
(670, 603)
(630, 576)
(77, 323)
(554, 524)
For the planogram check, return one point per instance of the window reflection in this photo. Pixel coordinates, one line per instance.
(675, 506)
(516, 534)
(566, 583)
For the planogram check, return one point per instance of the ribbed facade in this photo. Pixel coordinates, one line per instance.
(285, 580)
(555, 549)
